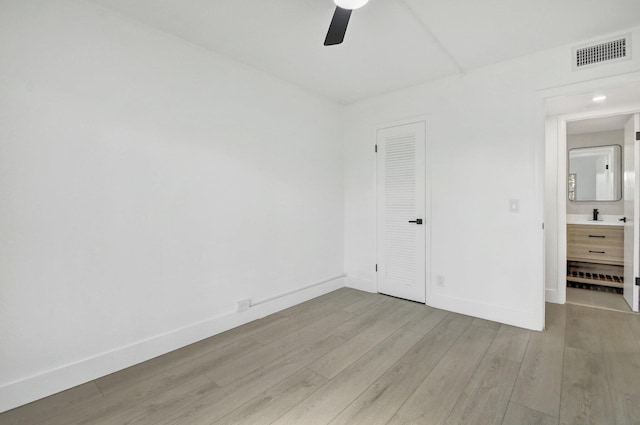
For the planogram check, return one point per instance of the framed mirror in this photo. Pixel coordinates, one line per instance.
(595, 173)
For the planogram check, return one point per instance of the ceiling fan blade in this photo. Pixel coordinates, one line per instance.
(338, 26)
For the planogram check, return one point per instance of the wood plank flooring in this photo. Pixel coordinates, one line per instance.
(351, 357)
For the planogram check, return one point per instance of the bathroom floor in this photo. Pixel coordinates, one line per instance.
(597, 299)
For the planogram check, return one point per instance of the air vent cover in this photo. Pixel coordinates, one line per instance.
(612, 50)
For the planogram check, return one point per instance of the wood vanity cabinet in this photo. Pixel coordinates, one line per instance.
(595, 254)
(595, 244)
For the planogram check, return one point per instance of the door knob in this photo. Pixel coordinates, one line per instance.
(417, 221)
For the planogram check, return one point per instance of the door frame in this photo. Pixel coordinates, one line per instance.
(632, 298)
(427, 199)
(562, 183)
(550, 156)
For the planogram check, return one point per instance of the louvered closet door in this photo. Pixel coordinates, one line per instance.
(401, 206)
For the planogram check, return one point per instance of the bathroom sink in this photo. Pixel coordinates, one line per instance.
(604, 220)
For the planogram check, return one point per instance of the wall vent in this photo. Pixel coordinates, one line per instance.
(606, 51)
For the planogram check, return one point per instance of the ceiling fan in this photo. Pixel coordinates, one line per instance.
(338, 26)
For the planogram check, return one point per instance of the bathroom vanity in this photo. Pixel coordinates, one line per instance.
(595, 251)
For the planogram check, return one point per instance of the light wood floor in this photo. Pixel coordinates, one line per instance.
(355, 358)
(597, 299)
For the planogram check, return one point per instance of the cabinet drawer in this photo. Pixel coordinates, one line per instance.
(598, 244)
(595, 235)
(605, 255)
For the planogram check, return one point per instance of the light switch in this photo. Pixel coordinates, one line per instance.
(514, 205)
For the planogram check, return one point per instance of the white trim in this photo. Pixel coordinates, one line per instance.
(538, 250)
(561, 190)
(562, 185)
(366, 285)
(554, 296)
(26, 390)
(284, 294)
(549, 187)
(558, 294)
(510, 316)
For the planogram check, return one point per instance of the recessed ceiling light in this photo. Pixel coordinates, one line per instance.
(599, 98)
(350, 4)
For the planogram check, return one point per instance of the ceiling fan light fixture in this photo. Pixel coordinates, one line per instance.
(350, 4)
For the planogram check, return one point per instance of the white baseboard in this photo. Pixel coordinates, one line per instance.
(509, 316)
(361, 284)
(26, 390)
(554, 296)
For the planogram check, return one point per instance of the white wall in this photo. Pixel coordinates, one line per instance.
(147, 185)
(486, 135)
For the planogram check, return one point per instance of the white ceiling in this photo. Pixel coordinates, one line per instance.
(390, 44)
(596, 125)
(620, 97)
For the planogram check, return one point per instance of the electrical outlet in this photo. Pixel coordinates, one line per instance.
(440, 280)
(243, 305)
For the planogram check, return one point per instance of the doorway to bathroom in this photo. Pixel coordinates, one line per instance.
(592, 217)
(600, 153)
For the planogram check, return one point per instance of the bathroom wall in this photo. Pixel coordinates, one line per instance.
(603, 138)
